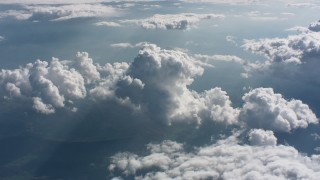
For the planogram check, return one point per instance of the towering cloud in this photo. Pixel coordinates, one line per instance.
(158, 81)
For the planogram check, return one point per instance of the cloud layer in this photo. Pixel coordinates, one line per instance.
(287, 54)
(155, 84)
(182, 21)
(224, 160)
(59, 12)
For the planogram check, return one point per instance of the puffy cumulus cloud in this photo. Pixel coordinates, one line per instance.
(50, 85)
(226, 159)
(60, 12)
(158, 79)
(60, 84)
(286, 50)
(265, 109)
(181, 21)
(293, 54)
(106, 86)
(259, 137)
(85, 66)
(155, 84)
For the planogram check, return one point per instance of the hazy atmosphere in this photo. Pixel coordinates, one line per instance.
(153, 90)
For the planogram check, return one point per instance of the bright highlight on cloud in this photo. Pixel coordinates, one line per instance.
(182, 21)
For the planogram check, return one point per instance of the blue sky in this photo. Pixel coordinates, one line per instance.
(98, 82)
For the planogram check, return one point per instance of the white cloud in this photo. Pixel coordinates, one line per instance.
(108, 24)
(156, 84)
(293, 57)
(39, 106)
(227, 58)
(49, 85)
(60, 12)
(265, 109)
(286, 50)
(49, 1)
(303, 5)
(166, 75)
(182, 21)
(2, 38)
(259, 137)
(260, 16)
(85, 66)
(128, 45)
(224, 160)
(234, 2)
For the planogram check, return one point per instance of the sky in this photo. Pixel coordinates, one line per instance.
(170, 89)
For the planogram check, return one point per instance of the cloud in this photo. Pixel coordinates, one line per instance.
(293, 57)
(41, 107)
(166, 75)
(265, 109)
(227, 58)
(303, 5)
(182, 21)
(52, 84)
(108, 24)
(315, 136)
(224, 160)
(128, 45)
(49, 1)
(286, 50)
(155, 84)
(232, 40)
(60, 12)
(314, 26)
(259, 137)
(2, 38)
(260, 16)
(232, 2)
